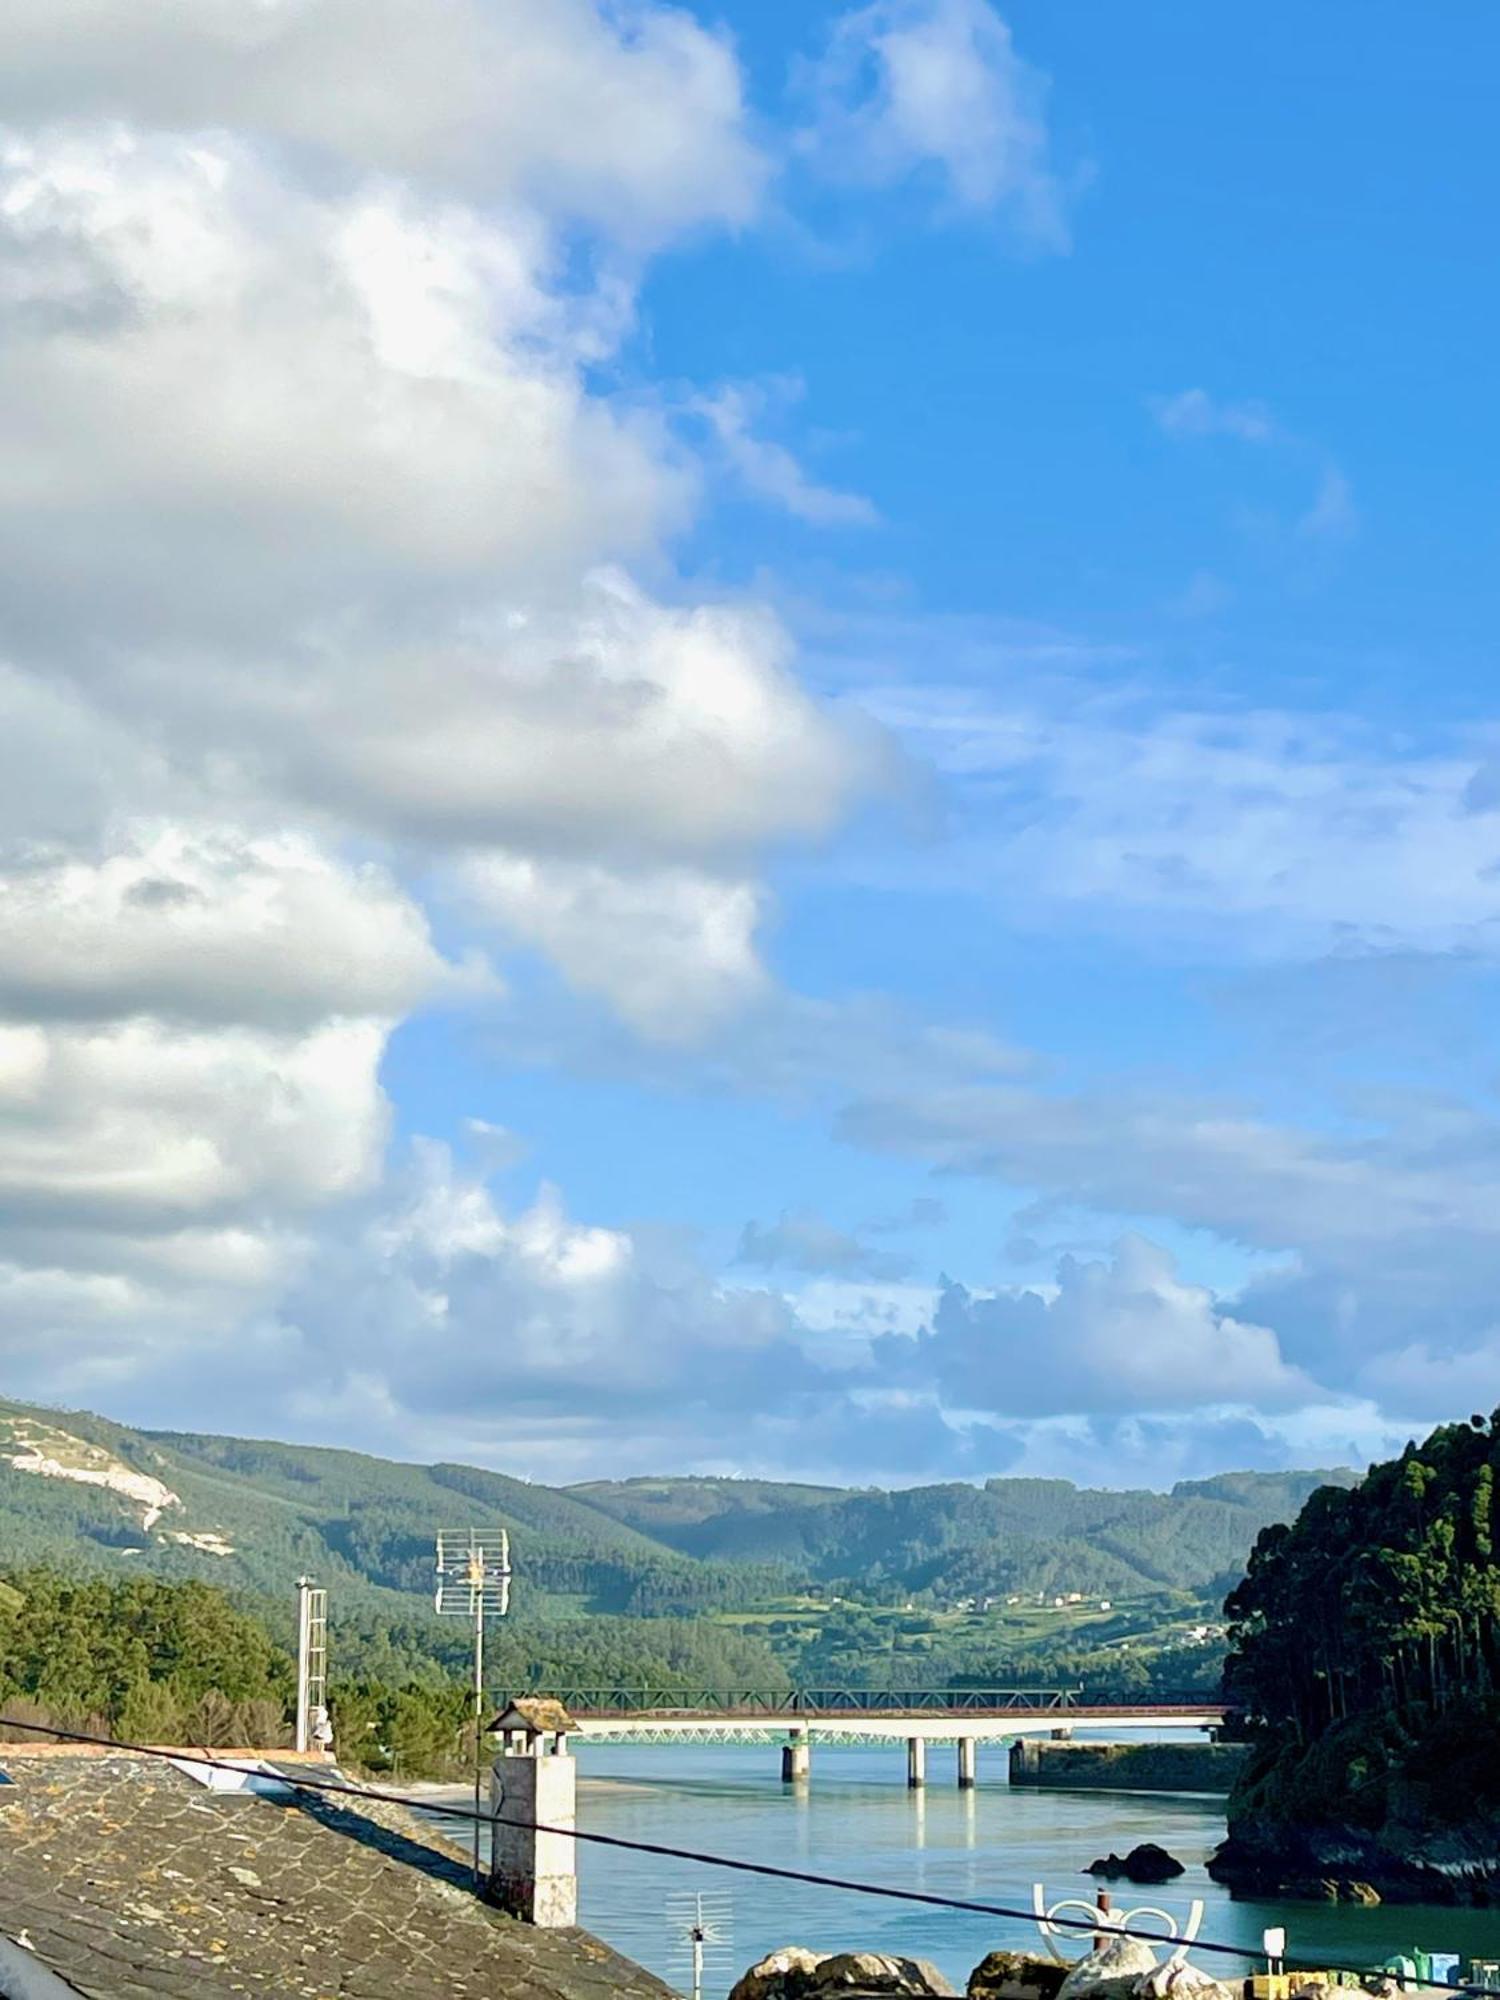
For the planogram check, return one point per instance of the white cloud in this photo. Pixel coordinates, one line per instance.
(208, 927)
(768, 469)
(672, 950)
(470, 1313)
(616, 724)
(137, 1125)
(937, 85)
(1194, 413)
(1129, 1335)
(1434, 1383)
(1333, 516)
(1264, 831)
(243, 394)
(313, 518)
(630, 118)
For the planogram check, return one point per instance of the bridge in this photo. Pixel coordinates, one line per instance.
(796, 1717)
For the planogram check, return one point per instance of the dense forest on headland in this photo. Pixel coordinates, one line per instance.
(1365, 1656)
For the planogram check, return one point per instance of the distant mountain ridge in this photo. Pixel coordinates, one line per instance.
(252, 1514)
(1009, 1534)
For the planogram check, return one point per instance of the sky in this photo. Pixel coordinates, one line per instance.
(755, 738)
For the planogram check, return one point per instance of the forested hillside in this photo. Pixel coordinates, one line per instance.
(254, 1514)
(956, 1540)
(656, 1582)
(1366, 1655)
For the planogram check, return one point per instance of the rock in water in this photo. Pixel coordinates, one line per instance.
(797, 1974)
(1110, 1973)
(1145, 1863)
(1015, 1975)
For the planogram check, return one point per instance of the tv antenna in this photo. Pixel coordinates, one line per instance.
(473, 1581)
(701, 1923)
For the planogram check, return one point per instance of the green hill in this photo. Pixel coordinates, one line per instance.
(952, 1541)
(1366, 1659)
(251, 1514)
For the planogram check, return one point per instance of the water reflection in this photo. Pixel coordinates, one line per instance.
(856, 1819)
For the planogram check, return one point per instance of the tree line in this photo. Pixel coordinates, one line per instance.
(147, 1660)
(1382, 1597)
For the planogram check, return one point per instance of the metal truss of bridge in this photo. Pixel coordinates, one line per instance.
(865, 1715)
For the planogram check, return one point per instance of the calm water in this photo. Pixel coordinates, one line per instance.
(858, 1819)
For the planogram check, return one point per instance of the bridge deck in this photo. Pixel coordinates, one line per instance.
(887, 1724)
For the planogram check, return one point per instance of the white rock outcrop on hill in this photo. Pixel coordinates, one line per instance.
(88, 1465)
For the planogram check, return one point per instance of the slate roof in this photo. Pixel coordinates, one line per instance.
(128, 1878)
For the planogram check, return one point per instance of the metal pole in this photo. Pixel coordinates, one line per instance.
(304, 1657)
(698, 1960)
(478, 1723)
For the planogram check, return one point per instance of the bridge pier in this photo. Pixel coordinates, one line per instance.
(796, 1758)
(916, 1762)
(968, 1763)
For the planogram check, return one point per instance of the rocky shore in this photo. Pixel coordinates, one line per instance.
(1330, 1862)
(1127, 1767)
(1121, 1969)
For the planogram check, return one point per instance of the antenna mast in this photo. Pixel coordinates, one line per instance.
(473, 1578)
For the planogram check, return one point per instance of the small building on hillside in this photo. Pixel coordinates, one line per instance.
(123, 1876)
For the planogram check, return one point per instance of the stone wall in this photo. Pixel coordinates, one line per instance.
(1127, 1767)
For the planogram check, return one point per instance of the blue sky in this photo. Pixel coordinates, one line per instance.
(758, 739)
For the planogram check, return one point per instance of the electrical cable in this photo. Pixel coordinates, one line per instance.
(434, 1809)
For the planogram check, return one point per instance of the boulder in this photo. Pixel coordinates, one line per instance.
(1176, 1979)
(1145, 1863)
(780, 1975)
(1110, 1972)
(865, 1972)
(1015, 1975)
(793, 1973)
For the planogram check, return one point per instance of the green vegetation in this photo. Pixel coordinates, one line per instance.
(950, 1542)
(149, 1661)
(1366, 1656)
(663, 1582)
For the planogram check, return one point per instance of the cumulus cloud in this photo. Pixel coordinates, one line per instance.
(242, 391)
(631, 119)
(210, 927)
(1126, 1335)
(1381, 1222)
(672, 950)
(936, 86)
(314, 530)
(467, 1313)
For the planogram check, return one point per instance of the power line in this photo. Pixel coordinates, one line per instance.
(435, 1809)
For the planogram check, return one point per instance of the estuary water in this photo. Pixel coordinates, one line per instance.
(857, 1819)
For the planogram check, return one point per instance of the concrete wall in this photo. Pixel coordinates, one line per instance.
(1127, 1767)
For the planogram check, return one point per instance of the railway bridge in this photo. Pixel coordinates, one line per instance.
(920, 1717)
